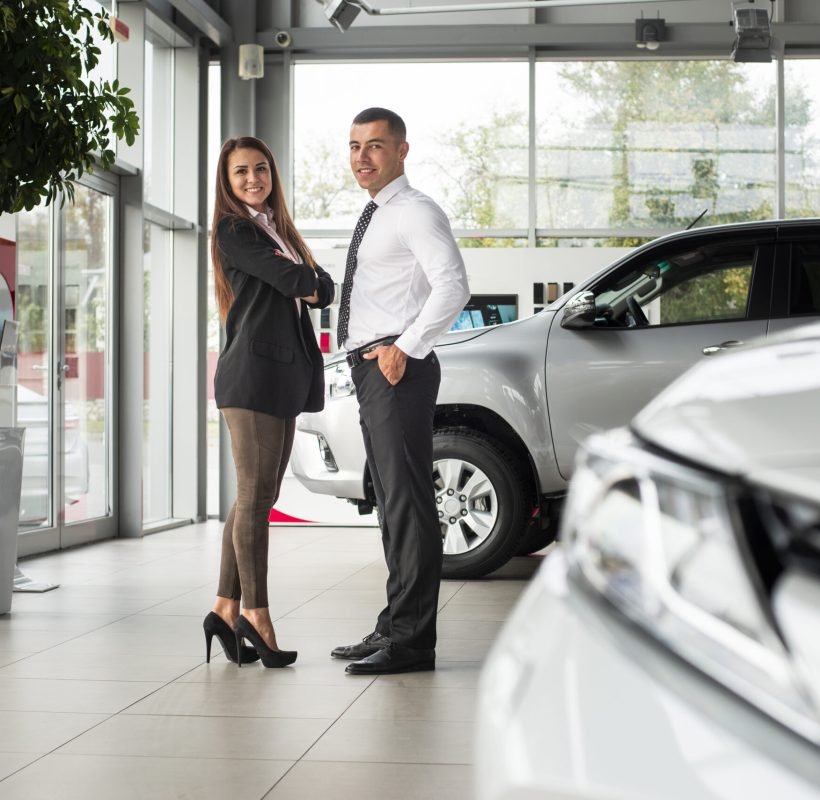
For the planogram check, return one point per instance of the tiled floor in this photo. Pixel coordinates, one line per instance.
(104, 690)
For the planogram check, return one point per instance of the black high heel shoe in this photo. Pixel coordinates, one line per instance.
(270, 658)
(214, 625)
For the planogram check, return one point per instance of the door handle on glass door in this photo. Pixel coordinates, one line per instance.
(62, 372)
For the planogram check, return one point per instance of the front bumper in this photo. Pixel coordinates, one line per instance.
(576, 702)
(339, 426)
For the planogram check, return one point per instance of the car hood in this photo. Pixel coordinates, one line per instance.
(457, 337)
(752, 412)
(452, 337)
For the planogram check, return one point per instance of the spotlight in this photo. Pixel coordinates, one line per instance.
(753, 42)
(341, 13)
(649, 33)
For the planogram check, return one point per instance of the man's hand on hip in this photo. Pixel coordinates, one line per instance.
(392, 362)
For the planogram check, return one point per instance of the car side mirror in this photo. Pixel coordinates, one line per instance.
(579, 312)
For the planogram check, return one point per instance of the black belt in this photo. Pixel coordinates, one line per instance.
(356, 357)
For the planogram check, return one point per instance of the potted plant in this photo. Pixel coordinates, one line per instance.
(55, 121)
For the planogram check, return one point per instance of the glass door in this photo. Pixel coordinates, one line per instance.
(64, 371)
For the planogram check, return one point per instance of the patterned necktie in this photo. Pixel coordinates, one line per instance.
(350, 269)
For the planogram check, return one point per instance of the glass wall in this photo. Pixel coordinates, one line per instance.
(214, 146)
(156, 441)
(802, 133)
(158, 124)
(63, 307)
(158, 276)
(87, 347)
(34, 236)
(624, 150)
(467, 126)
(652, 144)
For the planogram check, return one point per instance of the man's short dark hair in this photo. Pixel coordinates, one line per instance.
(394, 122)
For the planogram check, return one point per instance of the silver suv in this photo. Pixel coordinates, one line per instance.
(517, 399)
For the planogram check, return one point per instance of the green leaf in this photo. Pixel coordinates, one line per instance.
(52, 116)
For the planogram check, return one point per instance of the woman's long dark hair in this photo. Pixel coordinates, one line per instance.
(227, 206)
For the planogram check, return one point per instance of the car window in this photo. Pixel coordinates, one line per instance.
(804, 292)
(702, 284)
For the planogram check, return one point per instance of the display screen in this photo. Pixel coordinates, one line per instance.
(487, 309)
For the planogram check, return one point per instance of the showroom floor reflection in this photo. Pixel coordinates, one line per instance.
(104, 690)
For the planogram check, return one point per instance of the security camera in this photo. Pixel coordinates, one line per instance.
(341, 13)
(282, 39)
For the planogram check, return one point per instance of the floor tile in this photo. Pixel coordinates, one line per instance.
(42, 731)
(73, 661)
(399, 741)
(89, 697)
(335, 631)
(11, 762)
(468, 629)
(80, 777)
(35, 620)
(322, 608)
(469, 612)
(31, 641)
(149, 635)
(320, 670)
(198, 603)
(200, 737)
(390, 701)
(11, 656)
(323, 780)
(462, 650)
(489, 591)
(104, 692)
(447, 674)
(255, 698)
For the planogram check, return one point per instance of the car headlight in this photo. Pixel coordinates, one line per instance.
(663, 542)
(338, 380)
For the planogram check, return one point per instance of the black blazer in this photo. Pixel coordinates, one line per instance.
(271, 361)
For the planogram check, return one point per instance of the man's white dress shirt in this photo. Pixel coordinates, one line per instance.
(410, 277)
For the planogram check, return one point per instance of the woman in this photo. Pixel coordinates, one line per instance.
(269, 371)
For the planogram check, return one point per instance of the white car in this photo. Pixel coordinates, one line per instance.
(669, 646)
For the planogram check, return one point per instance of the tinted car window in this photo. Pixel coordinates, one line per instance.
(703, 284)
(804, 294)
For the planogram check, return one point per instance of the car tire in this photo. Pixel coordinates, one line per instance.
(533, 540)
(481, 500)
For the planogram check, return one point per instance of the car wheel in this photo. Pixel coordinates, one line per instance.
(481, 502)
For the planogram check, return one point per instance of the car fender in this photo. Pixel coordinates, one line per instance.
(503, 373)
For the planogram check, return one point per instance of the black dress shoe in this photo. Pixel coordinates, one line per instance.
(394, 658)
(371, 643)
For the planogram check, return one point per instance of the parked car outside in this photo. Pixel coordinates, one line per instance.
(33, 415)
(517, 399)
(667, 646)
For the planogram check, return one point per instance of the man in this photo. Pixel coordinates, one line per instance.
(404, 285)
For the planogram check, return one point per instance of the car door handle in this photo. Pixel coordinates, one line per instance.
(716, 348)
(38, 367)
